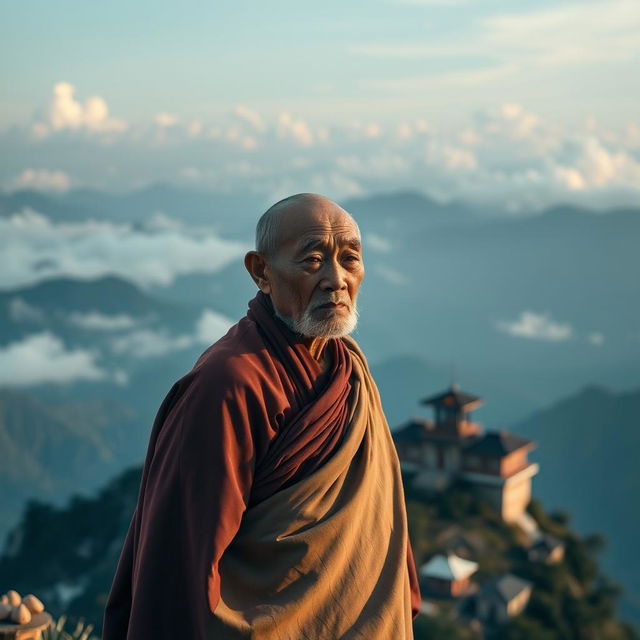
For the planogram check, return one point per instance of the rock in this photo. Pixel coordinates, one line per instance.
(14, 598)
(5, 610)
(33, 604)
(21, 614)
(4, 599)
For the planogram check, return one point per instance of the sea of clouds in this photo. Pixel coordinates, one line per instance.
(503, 155)
(32, 248)
(42, 357)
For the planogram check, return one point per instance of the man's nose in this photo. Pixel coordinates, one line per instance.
(334, 276)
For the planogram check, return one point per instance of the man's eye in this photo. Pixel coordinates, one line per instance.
(313, 259)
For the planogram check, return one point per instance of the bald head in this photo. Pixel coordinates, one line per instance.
(308, 259)
(301, 205)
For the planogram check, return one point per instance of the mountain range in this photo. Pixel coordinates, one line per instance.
(587, 445)
(537, 314)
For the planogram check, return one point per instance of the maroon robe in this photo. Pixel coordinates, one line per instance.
(254, 415)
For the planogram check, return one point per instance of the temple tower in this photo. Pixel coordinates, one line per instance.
(451, 446)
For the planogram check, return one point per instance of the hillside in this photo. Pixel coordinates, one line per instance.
(49, 450)
(596, 427)
(68, 555)
(571, 600)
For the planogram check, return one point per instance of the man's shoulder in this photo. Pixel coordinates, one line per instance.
(355, 350)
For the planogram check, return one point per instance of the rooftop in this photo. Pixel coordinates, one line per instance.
(449, 567)
(499, 443)
(505, 587)
(454, 397)
(421, 430)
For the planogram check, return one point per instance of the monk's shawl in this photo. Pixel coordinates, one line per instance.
(256, 440)
(325, 558)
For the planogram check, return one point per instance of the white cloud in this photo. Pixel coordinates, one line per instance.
(21, 311)
(377, 243)
(65, 112)
(504, 154)
(509, 120)
(120, 377)
(570, 178)
(195, 128)
(152, 343)
(43, 358)
(165, 119)
(390, 275)
(579, 33)
(250, 116)
(570, 34)
(40, 180)
(160, 221)
(594, 165)
(211, 326)
(537, 326)
(569, 56)
(595, 338)
(96, 321)
(297, 130)
(372, 130)
(32, 247)
(450, 157)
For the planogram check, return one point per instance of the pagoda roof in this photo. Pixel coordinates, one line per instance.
(449, 567)
(420, 430)
(505, 587)
(415, 430)
(454, 397)
(498, 443)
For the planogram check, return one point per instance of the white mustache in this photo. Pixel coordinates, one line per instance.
(344, 302)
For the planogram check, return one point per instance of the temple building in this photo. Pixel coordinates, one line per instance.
(435, 453)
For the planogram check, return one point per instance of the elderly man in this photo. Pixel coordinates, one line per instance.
(271, 503)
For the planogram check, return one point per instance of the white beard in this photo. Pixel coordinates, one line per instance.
(308, 326)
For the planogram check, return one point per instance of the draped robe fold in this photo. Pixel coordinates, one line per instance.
(271, 501)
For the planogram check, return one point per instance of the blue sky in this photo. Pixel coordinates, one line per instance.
(438, 67)
(383, 59)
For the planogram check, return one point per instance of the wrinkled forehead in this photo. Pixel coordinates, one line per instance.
(321, 238)
(303, 231)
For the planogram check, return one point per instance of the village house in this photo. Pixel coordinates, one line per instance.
(502, 598)
(447, 576)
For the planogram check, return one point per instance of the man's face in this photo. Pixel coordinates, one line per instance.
(316, 270)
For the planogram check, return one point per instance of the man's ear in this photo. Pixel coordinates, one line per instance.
(257, 267)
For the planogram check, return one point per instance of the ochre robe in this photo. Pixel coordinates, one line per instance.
(254, 456)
